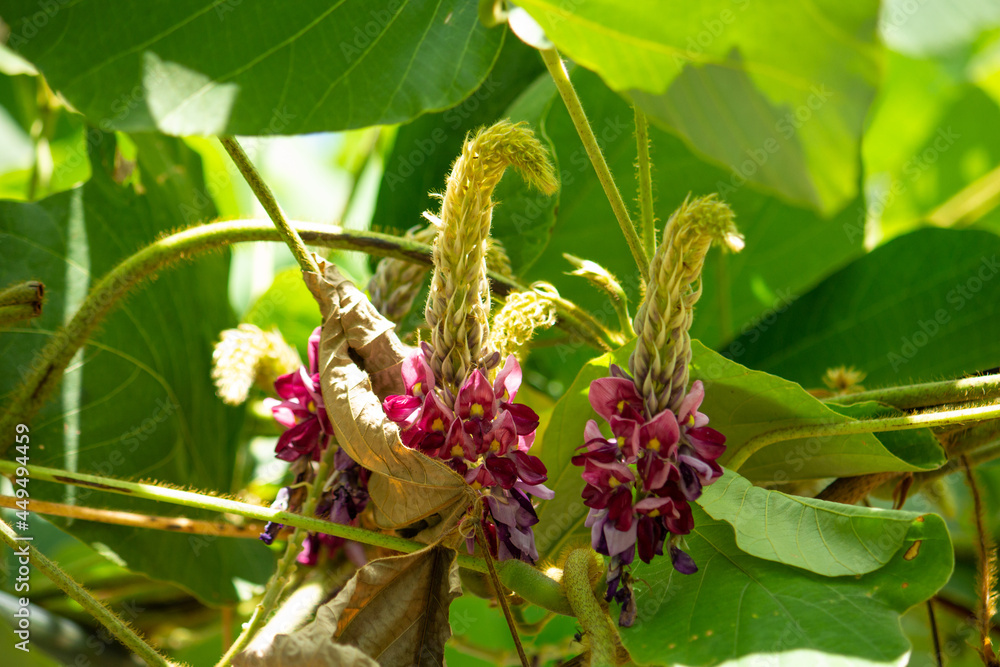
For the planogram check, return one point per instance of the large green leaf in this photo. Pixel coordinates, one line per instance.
(138, 400)
(737, 605)
(788, 248)
(198, 67)
(936, 153)
(741, 403)
(776, 91)
(745, 403)
(936, 27)
(922, 307)
(823, 537)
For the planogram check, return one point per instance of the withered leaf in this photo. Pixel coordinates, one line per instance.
(302, 650)
(406, 486)
(393, 611)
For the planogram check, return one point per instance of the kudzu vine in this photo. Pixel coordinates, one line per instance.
(451, 397)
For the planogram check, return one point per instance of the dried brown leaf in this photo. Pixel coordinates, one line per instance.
(406, 486)
(393, 611)
(305, 650)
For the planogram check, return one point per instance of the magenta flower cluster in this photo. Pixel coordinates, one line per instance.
(308, 433)
(485, 437)
(640, 480)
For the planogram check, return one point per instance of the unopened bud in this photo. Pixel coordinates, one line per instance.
(663, 350)
(458, 305)
(246, 356)
(21, 301)
(522, 315)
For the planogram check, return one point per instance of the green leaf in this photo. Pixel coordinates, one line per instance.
(788, 248)
(936, 28)
(775, 91)
(935, 156)
(138, 401)
(198, 67)
(741, 404)
(815, 535)
(922, 307)
(737, 605)
(906, 444)
(744, 403)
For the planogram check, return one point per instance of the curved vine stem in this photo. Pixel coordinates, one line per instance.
(906, 397)
(565, 87)
(116, 626)
(172, 496)
(270, 204)
(902, 423)
(51, 362)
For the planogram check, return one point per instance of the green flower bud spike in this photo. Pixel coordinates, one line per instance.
(663, 351)
(396, 282)
(458, 305)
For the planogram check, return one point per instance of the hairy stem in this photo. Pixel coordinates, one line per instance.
(286, 565)
(645, 169)
(595, 621)
(911, 396)
(48, 366)
(270, 204)
(173, 524)
(224, 505)
(976, 438)
(986, 552)
(91, 605)
(565, 87)
(901, 423)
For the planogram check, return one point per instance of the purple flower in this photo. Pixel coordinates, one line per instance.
(345, 497)
(309, 432)
(616, 396)
(485, 438)
(301, 410)
(640, 481)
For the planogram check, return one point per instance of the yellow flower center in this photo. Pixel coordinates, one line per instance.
(418, 389)
(621, 406)
(495, 446)
(311, 406)
(476, 485)
(456, 451)
(654, 513)
(614, 483)
(654, 444)
(477, 410)
(690, 420)
(437, 425)
(621, 442)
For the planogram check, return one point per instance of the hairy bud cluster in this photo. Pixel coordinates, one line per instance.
(246, 356)
(663, 351)
(458, 305)
(522, 314)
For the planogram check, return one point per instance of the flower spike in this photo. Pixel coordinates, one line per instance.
(459, 301)
(663, 351)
